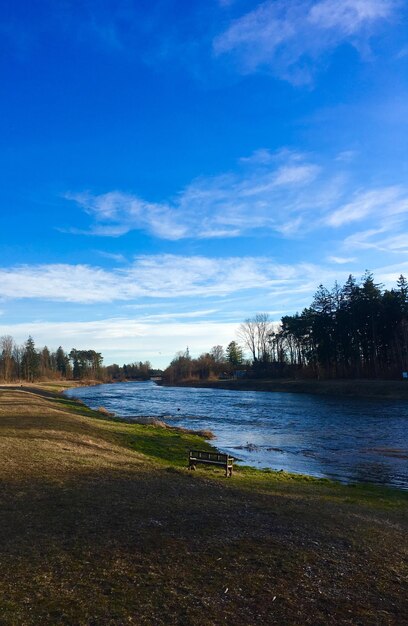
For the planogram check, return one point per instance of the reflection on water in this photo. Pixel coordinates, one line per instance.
(347, 439)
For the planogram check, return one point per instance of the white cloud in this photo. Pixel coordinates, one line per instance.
(65, 283)
(118, 258)
(387, 202)
(292, 175)
(340, 260)
(285, 193)
(349, 15)
(291, 38)
(389, 274)
(268, 190)
(117, 213)
(397, 243)
(362, 239)
(346, 156)
(379, 239)
(157, 276)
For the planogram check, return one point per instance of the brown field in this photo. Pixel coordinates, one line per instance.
(101, 524)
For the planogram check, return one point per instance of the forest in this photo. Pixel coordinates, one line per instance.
(358, 330)
(28, 363)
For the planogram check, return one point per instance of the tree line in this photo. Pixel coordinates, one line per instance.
(139, 370)
(210, 365)
(27, 363)
(357, 330)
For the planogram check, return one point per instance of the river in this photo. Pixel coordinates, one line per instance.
(347, 439)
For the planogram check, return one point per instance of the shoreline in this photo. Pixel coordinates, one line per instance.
(157, 423)
(51, 390)
(357, 388)
(370, 389)
(250, 464)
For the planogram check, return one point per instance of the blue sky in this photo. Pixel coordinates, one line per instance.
(169, 170)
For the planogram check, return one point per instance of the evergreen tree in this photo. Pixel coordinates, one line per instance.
(62, 362)
(353, 331)
(30, 360)
(234, 353)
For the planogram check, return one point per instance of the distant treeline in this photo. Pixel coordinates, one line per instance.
(217, 363)
(358, 330)
(132, 371)
(28, 363)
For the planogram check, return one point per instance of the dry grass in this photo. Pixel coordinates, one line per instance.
(102, 525)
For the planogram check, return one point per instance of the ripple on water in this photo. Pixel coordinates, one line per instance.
(351, 440)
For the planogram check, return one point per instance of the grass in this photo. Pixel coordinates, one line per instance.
(101, 523)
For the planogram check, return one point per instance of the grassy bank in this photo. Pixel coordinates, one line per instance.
(102, 524)
(387, 389)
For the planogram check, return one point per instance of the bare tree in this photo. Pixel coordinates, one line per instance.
(218, 354)
(255, 334)
(18, 352)
(6, 349)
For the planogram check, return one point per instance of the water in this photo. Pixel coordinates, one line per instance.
(348, 439)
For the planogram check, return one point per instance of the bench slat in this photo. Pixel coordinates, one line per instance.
(213, 458)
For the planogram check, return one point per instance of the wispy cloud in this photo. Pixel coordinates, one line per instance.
(116, 213)
(346, 156)
(58, 282)
(349, 16)
(387, 202)
(273, 191)
(341, 260)
(381, 239)
(285, 193)
(384, 221)
(383, 217)
(116, 257)
(159, 276)
(291, 39)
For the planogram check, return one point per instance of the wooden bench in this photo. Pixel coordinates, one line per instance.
(210, 458)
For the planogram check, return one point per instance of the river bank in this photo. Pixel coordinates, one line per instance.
(387, 389)
(102, 523)
(343, 438)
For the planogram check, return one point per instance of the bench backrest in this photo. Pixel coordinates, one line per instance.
(209, 456)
